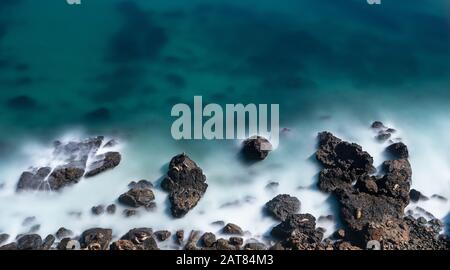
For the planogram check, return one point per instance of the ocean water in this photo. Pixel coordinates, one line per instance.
(116, 68)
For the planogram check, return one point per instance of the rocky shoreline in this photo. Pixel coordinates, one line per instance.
(371, 203)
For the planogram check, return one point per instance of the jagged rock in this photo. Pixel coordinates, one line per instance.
(236, 241)
(416, 196)
(256, 148)
(63, 233)
(303, 222)
(193, 238)
(231, 228)
(208, 239)
(111, 209)
(141, 184)
(48, 242)
(104, 162)
(332, 179)
(367, 185)
(74, 156)
(29, 242)
(397, 180)
(185, 183)
(96, 239)
(123, 245)
(162, 235)
(282, 206)
(398, 150)
(98, 210)
(142, 237)
(350, 158)
(137, 197)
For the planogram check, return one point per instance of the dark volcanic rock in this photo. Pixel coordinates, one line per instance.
(48, 242)
(142, 238)
(74, 155)
(254, 246)
(416, 195)
(223, 244)
(137, 197)
(10, 246)
(96, 239)
(185, 183)
(256, 148)
(344, 162)
(231, 228)
(303, 222)
(397, 180)
(63, 233)
(129, 212)
(142, 184)
(398, 150)
(162, 235)
(179, 237)
(208, 239)
(282, 206)
(123, 245)
(236, 241)
(29, 242)
(104, 162)
(377, 125)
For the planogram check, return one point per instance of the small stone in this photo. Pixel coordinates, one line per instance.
(111, 209)
(141, 184)
(236, 241)
(179, 237)
(383, 136)
(208, 239)
(416, 196)
(48, 242)
(231, 228)
(98, 210)
(136, 197)
(377, 125)
(220, 223)
(439, 197)
(63, 233)
(3, 238)
(162, 235)
(129, 212)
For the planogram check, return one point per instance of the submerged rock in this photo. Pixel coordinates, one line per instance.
(63, 233)
(256, 148)
(416, 196)
(74, 156)
(98, 210)
(208, 239)
(282, 206)
(185, 183)
(141, 184)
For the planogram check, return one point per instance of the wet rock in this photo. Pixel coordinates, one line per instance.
(142, 237)
(282, 206)
(185, 183)
(96, 239)
(3, 238)
(193, 238)
(398, 150)
(303, 222)
(256, 148)
(377, 125)
(367, 185)
(219, 223)
(48, 242)
(123, 245)
(236, 241)
(141, 184)
(34, 228)
(162, 235)
(353, 162)
(231, 228)
(98, 210)
(397, 180)
(104, 162)
(28, 221)
(416, 196)
(179, 237)
(254, 246)
(63, 233)
(383, 136)
(150, 207)
(223, 244)
(111, 209)
(10, 246)
(29, 242)
(33, 180)
(129, 212)
(208, 239)
(137, 197)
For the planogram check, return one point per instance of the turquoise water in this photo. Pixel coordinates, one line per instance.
(117, 67)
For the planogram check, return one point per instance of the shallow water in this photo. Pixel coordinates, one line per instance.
(117, 67)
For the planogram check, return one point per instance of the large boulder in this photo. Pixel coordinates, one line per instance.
(398, 150)
(282, 206)
(185, 183)
(29, 242)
